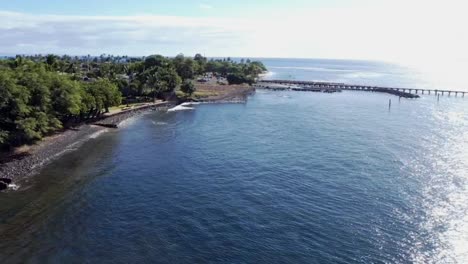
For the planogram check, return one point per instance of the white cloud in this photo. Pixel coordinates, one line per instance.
(395, 31)
(133, 35)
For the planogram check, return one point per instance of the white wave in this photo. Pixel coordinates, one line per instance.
(72, 147)
(128, 121)
(267, 74)
(56, 155)
(181, 107)
(186, 106)
(159, 123)
(97, 133)
(190, 103)
(13, 186)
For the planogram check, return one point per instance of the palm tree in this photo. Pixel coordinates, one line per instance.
(153, 81)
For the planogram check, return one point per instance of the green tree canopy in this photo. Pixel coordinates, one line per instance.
(188, 87)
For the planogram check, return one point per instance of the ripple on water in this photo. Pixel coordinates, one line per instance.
(314, 177)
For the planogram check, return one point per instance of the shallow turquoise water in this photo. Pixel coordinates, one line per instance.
(288, 177)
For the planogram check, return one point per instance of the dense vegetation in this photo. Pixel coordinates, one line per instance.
(42, 94)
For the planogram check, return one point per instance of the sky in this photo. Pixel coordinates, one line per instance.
(397, 30)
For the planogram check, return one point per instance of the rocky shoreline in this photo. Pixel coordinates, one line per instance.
(21, 166)
(18, 167)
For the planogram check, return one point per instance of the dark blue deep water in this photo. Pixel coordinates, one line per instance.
(288, 177)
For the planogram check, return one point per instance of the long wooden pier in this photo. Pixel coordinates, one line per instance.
(334, 87)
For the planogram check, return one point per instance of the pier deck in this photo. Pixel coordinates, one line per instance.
(333, 87)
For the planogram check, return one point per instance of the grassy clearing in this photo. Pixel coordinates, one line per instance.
(120, 108)
(197, 94)
(125, 106)
(212, 90)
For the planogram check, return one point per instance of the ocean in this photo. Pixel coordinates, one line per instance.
(448, 76)
(287, 177)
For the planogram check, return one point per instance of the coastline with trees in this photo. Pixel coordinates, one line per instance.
(61, 96)
(43, 94)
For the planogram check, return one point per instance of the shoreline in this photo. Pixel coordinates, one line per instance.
(29, 162)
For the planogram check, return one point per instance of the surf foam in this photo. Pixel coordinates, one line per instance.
(182, 107)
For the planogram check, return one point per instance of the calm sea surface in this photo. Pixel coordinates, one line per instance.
(288, 177)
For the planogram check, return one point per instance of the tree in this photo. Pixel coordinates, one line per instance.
(38, 82)
(199, 58)
(188, 87)
(201, 61)
(259, 65)
(153, 82)
(88, 103)
(65, 96)
(10, 106)
(40, 94)
(178, 61)
(155, 61)
(105, 93)
(169, 79)
(188, 69)
(51, 59)
(238, 78)
(34, 102)
(162, 80)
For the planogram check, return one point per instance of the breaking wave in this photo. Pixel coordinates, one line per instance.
(98, 133)
(182, 107)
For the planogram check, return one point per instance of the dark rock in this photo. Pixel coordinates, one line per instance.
(106, 125)
(3, 186)
(5, 180)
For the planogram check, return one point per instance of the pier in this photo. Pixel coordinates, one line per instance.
(330, 87)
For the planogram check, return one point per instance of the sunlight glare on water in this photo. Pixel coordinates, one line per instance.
(288, 177)
(444, 196)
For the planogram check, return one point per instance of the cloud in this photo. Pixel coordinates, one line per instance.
(397, 31)
(133, 35)
(205, 6)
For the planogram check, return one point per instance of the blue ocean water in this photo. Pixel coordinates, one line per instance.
(287, 177)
